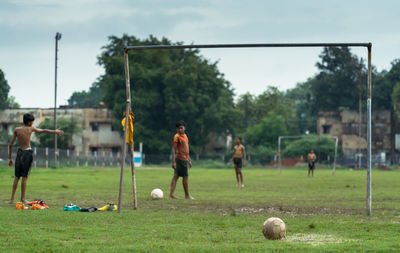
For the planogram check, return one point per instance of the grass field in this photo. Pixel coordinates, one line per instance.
(323, 214)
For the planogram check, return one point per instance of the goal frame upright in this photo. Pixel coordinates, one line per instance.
(367, 45)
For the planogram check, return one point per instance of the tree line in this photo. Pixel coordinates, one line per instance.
(169, 85)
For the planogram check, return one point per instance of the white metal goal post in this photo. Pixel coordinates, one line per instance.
(368, 46)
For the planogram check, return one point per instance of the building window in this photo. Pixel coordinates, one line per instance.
(94, 150)
(113, 128)
(115, 150)
(95, 126)
(326, 129)
(5, 126)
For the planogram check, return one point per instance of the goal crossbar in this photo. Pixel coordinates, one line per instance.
(280, 138)
(367, 45)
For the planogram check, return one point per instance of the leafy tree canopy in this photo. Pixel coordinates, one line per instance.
(166, 86)
(64, 141)
(91, 98)
(4, 90)
(322, 146)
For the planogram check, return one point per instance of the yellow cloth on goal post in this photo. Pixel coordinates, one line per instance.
(129, 136)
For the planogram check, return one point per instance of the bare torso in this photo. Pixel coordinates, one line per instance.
(24, 134)
(311, 157)
(238, 151)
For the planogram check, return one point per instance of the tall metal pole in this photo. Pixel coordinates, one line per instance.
(334, 159)
(128, 106)
(360, 119)
(279, 154)
(58, 37)
(369, 154)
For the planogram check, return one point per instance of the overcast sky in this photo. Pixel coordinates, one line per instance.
(28, 27)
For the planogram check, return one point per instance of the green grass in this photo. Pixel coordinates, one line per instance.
(323, 214)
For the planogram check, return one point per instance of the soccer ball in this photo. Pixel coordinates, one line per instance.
(274, 228)
(157, 194)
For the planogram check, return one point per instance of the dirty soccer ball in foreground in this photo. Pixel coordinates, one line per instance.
(274, 228)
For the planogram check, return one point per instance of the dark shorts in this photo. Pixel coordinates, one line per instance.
(311, 165)
(238, 162)
(23, 163)
(181, 168)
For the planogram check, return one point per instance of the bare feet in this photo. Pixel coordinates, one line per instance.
(24, 201)
(189, 197)
(172, 197)
(11, 201)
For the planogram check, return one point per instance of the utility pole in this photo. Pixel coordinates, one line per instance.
(360, 118)
(58, 37)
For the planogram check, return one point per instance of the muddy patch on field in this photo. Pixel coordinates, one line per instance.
(315, 239)
(292, 211)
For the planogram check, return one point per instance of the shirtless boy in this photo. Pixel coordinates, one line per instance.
(239, 160)
(311, 162)
(24, 158)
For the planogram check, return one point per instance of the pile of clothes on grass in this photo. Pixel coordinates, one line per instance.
(39, 205)
(110, 206)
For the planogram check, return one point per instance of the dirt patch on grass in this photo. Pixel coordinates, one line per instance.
(315, 239)
(237, 209)
(293, 211)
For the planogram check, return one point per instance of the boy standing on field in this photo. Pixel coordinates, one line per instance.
(311, 162)
(239, 159)
(180, 159)
(24, 158)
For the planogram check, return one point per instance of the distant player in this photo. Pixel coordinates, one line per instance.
(24, 158)
(180, 159)
(311, 162)
(239, 160)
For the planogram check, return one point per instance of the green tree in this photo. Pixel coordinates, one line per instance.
(91, 98)
(4, 90)
(12, 103)
(166, 86)
(303, 100)
(255, 108)
(336, 84)
(383, 85)
(69, 126)
(267, 131)
(396, 96)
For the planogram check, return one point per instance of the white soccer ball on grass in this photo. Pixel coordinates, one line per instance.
(157, 194)
(274, 228)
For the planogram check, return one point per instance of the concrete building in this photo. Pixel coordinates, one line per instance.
(345, 125)
(97, 133)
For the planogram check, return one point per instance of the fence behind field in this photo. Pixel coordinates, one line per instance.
(44, 157)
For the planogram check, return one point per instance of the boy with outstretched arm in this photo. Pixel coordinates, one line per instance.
(24, 158)
(180, 159)
(239, 160)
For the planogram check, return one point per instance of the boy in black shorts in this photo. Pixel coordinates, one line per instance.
(180, 159)
(311, 157)
(239, 160)
(24, 159)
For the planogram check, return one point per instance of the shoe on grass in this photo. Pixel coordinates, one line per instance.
(111, 206)
(71, 207)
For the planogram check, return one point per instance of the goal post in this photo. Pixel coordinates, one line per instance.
(280, 138)
(367, 45)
